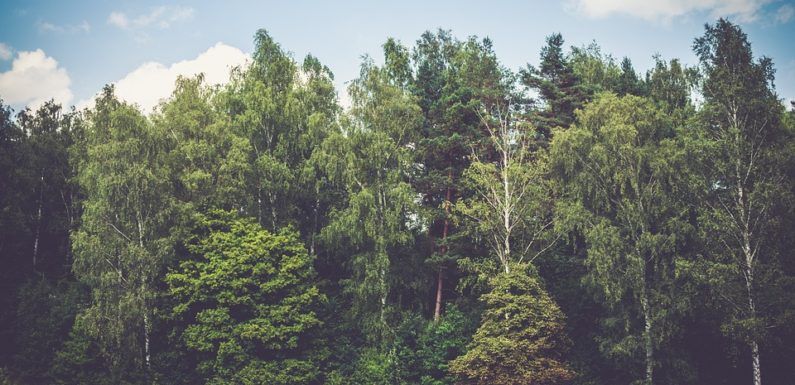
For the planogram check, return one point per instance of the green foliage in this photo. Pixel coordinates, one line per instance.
(617, 165)
(372, 163)
(557, 85)
(45, 313)
(248, 303)
(441, 342)
(740, 147)
(255, 233)
(80, 361)
(521, 338)
(597, 71)
(122, 240)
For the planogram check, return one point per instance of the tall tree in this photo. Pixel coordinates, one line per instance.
(262, 104)
(121, 243)
(614, 165)
(452, 79)
(512, 204)
(521, 337)
(372, 160)
(741, 137)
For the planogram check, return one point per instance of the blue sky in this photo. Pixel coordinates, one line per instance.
(69, 50)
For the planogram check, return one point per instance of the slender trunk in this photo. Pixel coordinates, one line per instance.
(748, 269)
(147, 326)
(506, 212)
(272, 199)
(647, 340)
(749, 279)
(437, 313)
(259, 205)
(147, 331)
(315, 210)
(38, 222)
(755, 362)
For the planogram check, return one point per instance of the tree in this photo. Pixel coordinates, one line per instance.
(512, 203)
(628, 81)
(741, 138)
(372, 162)
(670, 84)
(208, 158)
(594, 70)
(557, 85)
(262, 104)
(247, 301)
(122, 239)
(521, 338)
(516, 342)
(615, 165)
(452, 78)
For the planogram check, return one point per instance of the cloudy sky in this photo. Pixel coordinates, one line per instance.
(69, 51)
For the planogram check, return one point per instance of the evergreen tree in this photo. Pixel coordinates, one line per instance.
(521, 338)
(557, 87)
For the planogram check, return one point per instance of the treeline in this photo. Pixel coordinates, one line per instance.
(460, 223)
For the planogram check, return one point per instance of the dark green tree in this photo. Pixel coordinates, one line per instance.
(247, 303)
(557, 85)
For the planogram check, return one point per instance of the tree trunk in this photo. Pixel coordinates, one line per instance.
(315, 210)
(506, 211)
(437, 313)
(749, 278)
(147, 327)
(748, 270)
(38, 223)
(647, 340)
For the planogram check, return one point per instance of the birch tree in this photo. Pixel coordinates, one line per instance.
(614, 168)
(372, 160)
(512, 205)
(740, 138)
(120, 244)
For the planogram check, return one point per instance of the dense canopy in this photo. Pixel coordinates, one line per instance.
(575, 222)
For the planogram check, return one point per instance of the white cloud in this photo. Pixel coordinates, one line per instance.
(5, 52)
(33, 79)
(784, 14)
(45, 27)
(666, 10)
(118, 19)
(152, 81)
(161, 17)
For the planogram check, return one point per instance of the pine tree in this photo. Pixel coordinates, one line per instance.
(521, 338)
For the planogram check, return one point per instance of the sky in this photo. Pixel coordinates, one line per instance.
(69, 50)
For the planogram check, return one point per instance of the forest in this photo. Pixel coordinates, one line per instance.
(574, 222)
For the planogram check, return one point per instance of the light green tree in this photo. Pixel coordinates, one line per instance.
(618, 183)
(372, 160)
(122, 241)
